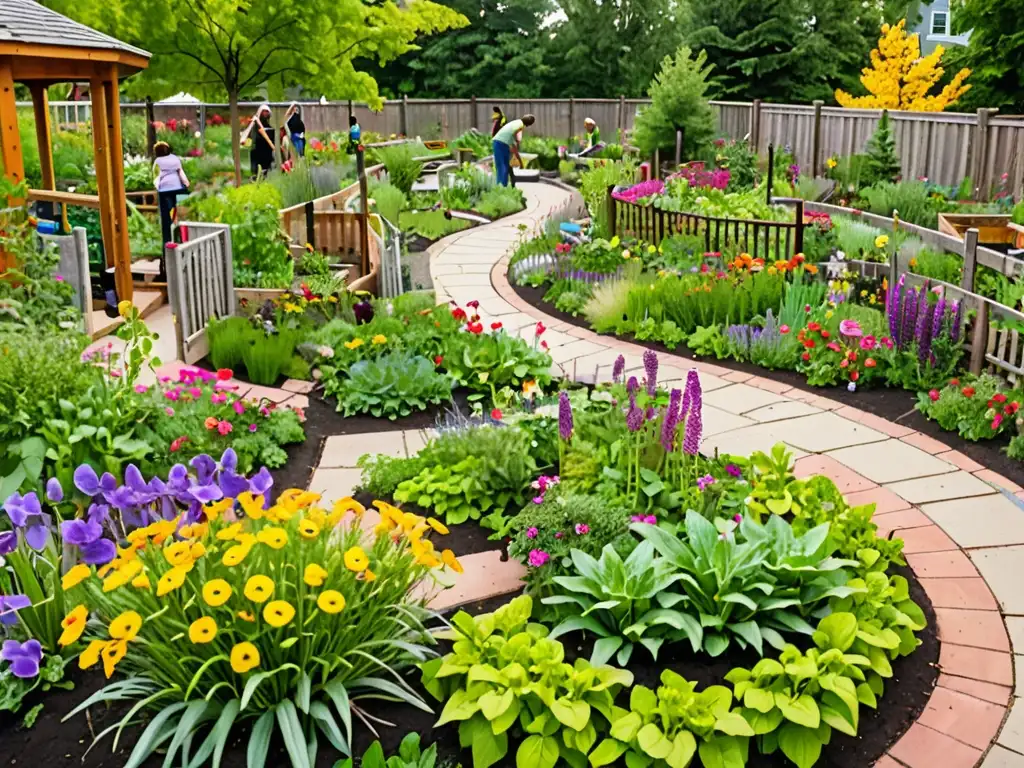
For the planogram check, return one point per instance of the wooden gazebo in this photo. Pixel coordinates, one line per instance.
(39, 47)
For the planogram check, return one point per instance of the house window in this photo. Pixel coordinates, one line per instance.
(940, 22)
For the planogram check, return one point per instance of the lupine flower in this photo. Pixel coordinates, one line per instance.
(582, 529)
(24, 657)
(619, 368)
(537, 558)
(651, 371)
(531, 532)
(634, 417)
(671, 422)
(565, 424)
(694, 424)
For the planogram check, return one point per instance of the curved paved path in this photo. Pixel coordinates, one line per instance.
(962, 524)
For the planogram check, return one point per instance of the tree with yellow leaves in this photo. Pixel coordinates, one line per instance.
(899, 77)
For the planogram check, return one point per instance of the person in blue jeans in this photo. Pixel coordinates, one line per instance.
(506, 145)
(296, 129)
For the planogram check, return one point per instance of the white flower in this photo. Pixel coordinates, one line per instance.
(851, 387)
(198, 134)
(317, 374)
(325, 351)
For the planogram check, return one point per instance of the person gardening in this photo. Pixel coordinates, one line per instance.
(497, 120)
(355, 134)
(506, 145)
(593, 133)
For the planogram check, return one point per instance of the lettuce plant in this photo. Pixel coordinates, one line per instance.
(505, 677)
(393, 385)
(452, 492)
(486, 363)
(668, 727)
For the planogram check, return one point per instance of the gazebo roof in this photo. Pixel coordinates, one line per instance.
(27, 29)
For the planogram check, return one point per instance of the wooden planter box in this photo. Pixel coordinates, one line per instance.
(993, 228)
(258, 295)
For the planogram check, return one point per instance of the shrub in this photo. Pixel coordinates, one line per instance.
(911, 198)
(389, 201)
(883, 163)
(678, 100)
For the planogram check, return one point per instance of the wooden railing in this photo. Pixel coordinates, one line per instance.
(297, 220)
(200, 285)
(770, 240)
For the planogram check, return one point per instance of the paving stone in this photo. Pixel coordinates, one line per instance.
(884, 425)
(827, 432)
(898, 521)
(978, 629)
(846, 480)
(716, 421)
(927, 539)
(967, 593)
(925, 443)
(1012, 735)
(1001, 757)
(942, 565)
(976, 664)
(1001, 567)
(345, 450)
(885, 501)
(770, 385)
(746, 440)
(472, 280)
(955, 485)
(996, 479)
(924, 747)
(996, 694)
(295, 402)
(965, 718)
(1015, 628)
(298, 386)
(790, 409)
(887, 762)
(740, 398)
(979, 522)
(485, 576)
(961, 460)
(708, 382)
(578, 348)
(415, 440)
(891, 461)
(739, 376)
(334, 484)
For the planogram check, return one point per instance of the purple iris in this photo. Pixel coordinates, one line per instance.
(8, 542)
(23, 657)
(54, 492)
(25, 512)
(87, 535)
(261, 483)
(9, 604)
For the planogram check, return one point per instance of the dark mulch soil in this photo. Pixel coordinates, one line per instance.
(896, 405)
(52, 743)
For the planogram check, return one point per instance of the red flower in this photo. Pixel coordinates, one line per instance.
(176, 445)
(806, 356)
(438, 360)
(844, 364)
(809, 343)
(870, 363)
(544, 345)
(954, 382)
(223, 374)
(999, 397)
(540, 329)
(825, 334)
(474, 304)
(968, 391)
(933, 395)
(496, 414)
(834, 347)
(459, 314)
(495, 326)
(475, 327)
(784, 329)
(813, 326)
(854, 375)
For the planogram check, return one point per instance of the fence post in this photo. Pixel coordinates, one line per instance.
(572, 117)
(979, 155)
(364, 222)
(798, 239)
(202, 125)
(970, 259)
(979, 339)
(310, 224)
(622, 119)
(679, 147)
(656, 170)
(771, 172)
(755, 124)
(476, 115)
(816, 147)
(175, 296)
(611, 213)
(403, 121)
(150, 128)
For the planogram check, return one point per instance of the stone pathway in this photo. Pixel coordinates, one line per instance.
(964, 533)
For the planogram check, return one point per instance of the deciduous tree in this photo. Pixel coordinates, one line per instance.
(994, 53)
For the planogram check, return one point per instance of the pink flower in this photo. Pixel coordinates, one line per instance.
(253, 427)
(264, 411)
(887, 342)
(172, 394)
(651, 520)
(996, 421)
(531, 532)
(239, 407)
(737, 518)
(538, 499)
(115, 374)
(850, 328)
(559, 535)
(224, 427)
(538, 557)
(141, 389)
(169, 411)
(833, 346)
(582, 529)
(196, 392)
(165, 379)
(59, 278)
(176, 445)
(933, 395)
(784, 329)
(218, 398)
(867, 343)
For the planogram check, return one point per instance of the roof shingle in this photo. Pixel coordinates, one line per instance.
(26, 21)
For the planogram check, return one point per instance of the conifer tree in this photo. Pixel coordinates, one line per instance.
(882, 163)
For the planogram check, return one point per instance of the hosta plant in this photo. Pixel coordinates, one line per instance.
(235, 615)
(793, 703)
(392, 385)
(668, 727)
(506, 682)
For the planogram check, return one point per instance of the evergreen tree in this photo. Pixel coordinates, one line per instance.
(882, 162)
(678, 100)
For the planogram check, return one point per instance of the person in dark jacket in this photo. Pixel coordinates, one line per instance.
(296, 129)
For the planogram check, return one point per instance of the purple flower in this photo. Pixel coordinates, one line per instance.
(619, 368)
(99, 552)
(582, 529)
(733, 470)
(80, 532)
(651, 370)
(8, 542)
(564, 416)
(8, 605)
(648, 519)
(704, 482)
(559, 535)
(737, 518)
(671, 422)
(53, 490)
(632, 385)
(86, 480)
(954, 328)
(26, 512)
(694, 425)
(634, 417)
(538, 499)
(23, 657)
(938, 318)
(537, 558)
(531, 532)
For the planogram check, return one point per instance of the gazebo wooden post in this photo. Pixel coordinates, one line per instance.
(41, 106)
(100, 143)
(122, 248)
(10, 140)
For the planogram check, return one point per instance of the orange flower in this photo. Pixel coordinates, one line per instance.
(811, 269)
(211, 422)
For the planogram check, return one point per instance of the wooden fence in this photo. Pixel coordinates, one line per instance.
(770, 240)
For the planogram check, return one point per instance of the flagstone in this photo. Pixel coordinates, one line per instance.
(826, 431)
(891, 461)
(345, 450)
(790, 409)
(740, 398)
(955, 485)
(986, 521)
(334, 484)
(1001, 567)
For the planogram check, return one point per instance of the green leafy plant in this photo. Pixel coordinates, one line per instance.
(708, 340)
(506, 681)
(266, 354)
(500, 201)
(228, 338)
(882, 163)
(402, 167)
(410, 755)
(393, 385)
(678, 100)
(455, 493)
(487, 363)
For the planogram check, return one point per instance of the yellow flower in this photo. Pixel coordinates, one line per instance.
(369, 575)
(449, 559)
(171, 580)
(831, 163)
(881, 241)
(289, 307)
(308, 529)
(314, 575)
(379, 339)
(216, 592)
(141, 581)
(202, 630)
(194, 531)
(244, 656)
(214, 510)
(429, 560)
(828, 314)
(229, 533)
(73, 626)
(91, 654)
(126, 626)
(124, 307)
(247, 616)
(278, 613)
(75, 576)
(235, 554)
(530, 387)
(273, 537)
(197, 550)
(354, 344)
(122, 576)
(112, 653)
(259, 589)
(177, 553)
(251, 505)
(331, 601)
(356, 559)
